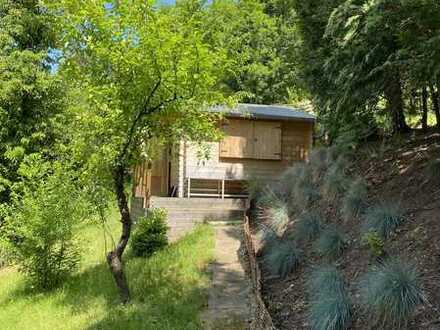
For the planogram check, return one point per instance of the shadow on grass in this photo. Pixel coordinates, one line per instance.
(168, 290)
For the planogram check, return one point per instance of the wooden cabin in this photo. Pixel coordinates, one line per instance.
(259, 141)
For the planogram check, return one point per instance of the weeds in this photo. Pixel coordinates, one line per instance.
(375, 243)
(392, 292)
(282, 258)
(331, 243)
(383, 219)
(354, 200)
(330, 307)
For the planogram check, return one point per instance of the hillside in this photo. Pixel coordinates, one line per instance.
(395, 173)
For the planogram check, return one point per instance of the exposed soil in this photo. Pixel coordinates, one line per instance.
(398, 174)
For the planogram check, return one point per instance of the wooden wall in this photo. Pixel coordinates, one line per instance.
(296, 141)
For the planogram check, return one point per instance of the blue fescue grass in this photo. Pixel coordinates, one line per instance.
(355, 199)
(383, 219)
(330, 306)
(433, 169)
(282, 258)
(318, 161)
(278, 216)
(308, 226)
(335, 181)
(391, 292)
(331, 243)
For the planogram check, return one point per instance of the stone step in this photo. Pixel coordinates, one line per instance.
(179, 217)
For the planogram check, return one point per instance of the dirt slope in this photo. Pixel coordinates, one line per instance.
(394, 173)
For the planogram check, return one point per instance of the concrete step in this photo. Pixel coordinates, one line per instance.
(176, 217)
(198, 203)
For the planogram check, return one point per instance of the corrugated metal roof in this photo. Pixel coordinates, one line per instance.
(260, 111)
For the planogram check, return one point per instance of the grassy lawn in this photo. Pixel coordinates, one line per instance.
(168, 290)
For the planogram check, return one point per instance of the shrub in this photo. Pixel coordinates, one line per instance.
(354, 200)
(309, 225)
(383, 219)
(40, 227)
(330, 307)
(282, 258)
(433, 169)
(150, 233)
(331, 243)
(391, 292)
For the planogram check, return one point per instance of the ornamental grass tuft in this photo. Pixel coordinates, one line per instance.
(282, 258)
(308, 226)
(355, 199)
(383, 219)
(330, 306)
(391, 292)
(331, 243)
(433, 169)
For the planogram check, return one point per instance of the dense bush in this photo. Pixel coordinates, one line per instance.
(330, 307)
(331, 243)
(40, 228)
(354, 200)
(391, 292)
(282, 258)
(383, 219)
(150, 233)
(308, 226)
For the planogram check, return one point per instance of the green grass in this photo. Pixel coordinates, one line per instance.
(168, 290)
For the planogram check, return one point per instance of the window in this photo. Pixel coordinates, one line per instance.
(251, 139)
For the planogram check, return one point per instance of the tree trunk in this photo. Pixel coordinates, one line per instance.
(424, 109)
(393, 94)
(114, 257)
(435, 104)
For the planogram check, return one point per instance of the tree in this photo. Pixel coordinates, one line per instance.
(31, 96)
(259, 45)
(143, 74)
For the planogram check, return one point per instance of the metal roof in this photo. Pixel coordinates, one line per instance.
(261, 111)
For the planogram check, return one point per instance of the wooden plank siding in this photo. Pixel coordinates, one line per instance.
(296, 141)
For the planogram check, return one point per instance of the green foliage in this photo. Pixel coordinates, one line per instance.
(31, 98)
(308, 225)
(383, 219)
(41, 223)
(282, 258)
(169, 289)
(375, 243)
(331, 243)
(150, 233)
(391, 292)
(433, 169)
(330, 307)
(355, 199)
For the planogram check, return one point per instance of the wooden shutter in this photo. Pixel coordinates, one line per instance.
(267, 140)
(238, 140)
